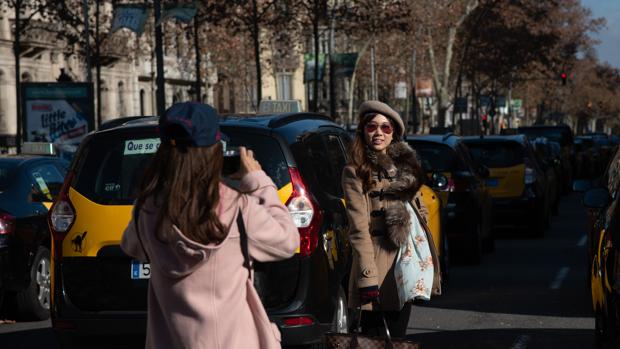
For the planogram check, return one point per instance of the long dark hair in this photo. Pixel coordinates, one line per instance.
(184, 181)
(359, 150)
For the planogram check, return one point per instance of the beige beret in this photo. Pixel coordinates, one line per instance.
(377, 107)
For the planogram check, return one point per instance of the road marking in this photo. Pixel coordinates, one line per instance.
(521, 342)
(557, 282)
(583, 241)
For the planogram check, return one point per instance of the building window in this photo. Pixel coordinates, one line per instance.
(284, 86)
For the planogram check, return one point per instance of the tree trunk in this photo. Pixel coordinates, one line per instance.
(332, 76)
(159, 54)
(98, 64)
(315, 82)
(256, 38)
(16, 52)
(198, 62)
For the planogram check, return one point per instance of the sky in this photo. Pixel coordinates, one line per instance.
(609, 48)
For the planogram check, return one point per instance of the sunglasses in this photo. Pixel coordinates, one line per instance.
(385, 128)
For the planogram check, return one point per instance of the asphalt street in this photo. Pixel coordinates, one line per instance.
(529, 293)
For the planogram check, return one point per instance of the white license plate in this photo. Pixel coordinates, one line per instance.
(140, 270)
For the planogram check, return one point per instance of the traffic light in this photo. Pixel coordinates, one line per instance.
(564, 77)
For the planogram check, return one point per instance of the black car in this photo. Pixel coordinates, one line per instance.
(562, 134)
(466, 201)
(97, 289)
(28, 184)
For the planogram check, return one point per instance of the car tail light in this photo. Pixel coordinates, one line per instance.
(7, 224)
(457, 185)
(305, 213)
(61, 215)
(298, 321)
(530, 174)
(450, 186)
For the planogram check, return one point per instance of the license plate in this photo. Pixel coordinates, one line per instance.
(492, 182)
(140, 270)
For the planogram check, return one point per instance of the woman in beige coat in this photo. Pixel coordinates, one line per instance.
(186, 228)
(383, 175)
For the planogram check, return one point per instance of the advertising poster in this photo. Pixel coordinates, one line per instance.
(58, 113)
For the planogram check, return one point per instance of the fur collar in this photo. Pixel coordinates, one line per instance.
(401, 166)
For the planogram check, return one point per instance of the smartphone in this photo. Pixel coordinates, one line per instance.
(232, 160)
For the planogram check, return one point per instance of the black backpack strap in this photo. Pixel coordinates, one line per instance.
(136, 215)
(243, 237)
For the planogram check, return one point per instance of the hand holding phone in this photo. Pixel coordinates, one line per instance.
(247, 163)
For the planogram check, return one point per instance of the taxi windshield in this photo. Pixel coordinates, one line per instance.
(497, 154)
(434, 156)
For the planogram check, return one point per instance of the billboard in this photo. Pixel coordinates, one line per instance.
(59, 113)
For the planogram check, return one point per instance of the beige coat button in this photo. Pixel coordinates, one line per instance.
(366, 272)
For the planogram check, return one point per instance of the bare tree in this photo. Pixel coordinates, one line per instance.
(26, 13)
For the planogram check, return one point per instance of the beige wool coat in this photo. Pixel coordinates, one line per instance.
(373, 252)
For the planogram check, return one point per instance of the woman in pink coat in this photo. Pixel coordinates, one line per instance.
(186, 228)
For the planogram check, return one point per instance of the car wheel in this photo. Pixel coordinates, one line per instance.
(445, 261)
(537, 225)
(33, 303)
(474, 253)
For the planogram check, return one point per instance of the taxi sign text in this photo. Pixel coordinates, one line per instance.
(141, 146)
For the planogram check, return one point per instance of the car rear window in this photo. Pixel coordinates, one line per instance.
(497, 154)
(561, 135)
(6, 169)
(266, 150)
(112, 167)
(434, 156)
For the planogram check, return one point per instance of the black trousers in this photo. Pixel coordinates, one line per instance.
(397, 321)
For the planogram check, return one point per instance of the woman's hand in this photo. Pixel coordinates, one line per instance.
(247, 163)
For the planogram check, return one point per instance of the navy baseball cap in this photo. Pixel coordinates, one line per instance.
(191, 124)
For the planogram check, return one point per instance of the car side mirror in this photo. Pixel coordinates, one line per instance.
(439, 181)
(582, 185)
(596, 198)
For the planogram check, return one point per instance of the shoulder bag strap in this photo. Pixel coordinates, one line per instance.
(136, 215)
(243, 237)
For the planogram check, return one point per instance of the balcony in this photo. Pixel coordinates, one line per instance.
(38, 37)
(113, 48)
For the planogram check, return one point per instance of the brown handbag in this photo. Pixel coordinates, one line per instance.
(358, 341)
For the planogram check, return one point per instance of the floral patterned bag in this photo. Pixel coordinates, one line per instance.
(414, 264)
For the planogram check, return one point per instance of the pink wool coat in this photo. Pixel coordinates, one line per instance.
(197, 293)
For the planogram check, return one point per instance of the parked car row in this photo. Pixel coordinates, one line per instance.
(28, 184)
(473, 186)
(603, 250)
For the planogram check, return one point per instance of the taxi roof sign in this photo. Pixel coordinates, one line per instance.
(279, 106)
(38, 148)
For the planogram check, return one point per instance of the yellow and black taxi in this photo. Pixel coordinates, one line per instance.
(602, 202)
(28, 185)
(98, 290)
(459, 183)
(517, 181)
